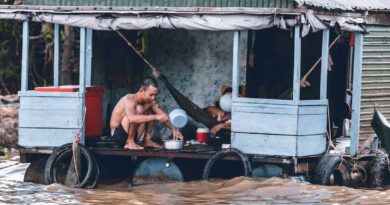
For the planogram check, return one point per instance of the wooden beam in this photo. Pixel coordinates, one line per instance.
(82, 82)
(149, 9)
(236, 64)
(88, 59)
(297, 64)
(25, 57)
(324, 64)
(356, 93)
(56, 66)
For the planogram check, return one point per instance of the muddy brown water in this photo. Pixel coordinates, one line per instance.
(239, 190)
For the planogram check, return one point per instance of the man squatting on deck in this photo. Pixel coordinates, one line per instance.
(135, 114)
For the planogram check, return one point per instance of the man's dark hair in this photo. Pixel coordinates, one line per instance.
(148, 81)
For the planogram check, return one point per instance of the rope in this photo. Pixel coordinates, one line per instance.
(75, 144)
(155, 72)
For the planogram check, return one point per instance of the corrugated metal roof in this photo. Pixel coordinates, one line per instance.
(167, 3)
(349, 5)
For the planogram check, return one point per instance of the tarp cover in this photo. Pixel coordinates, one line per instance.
(212, 22)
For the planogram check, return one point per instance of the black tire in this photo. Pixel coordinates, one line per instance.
(69, 153)
(379, 171)
(227, 152)
(94, 181)
(49, 164)
(332, 170)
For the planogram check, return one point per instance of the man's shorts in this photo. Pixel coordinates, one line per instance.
(120, 136)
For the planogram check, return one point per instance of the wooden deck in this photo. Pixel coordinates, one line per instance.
(189, 152)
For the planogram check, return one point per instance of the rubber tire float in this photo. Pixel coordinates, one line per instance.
(227, 152)
(91, 177)
(332, 170)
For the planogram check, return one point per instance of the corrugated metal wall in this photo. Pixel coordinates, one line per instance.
(376, 76)
(167, 3)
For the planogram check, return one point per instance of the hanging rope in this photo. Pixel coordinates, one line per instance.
(155, 72)
(76, 148)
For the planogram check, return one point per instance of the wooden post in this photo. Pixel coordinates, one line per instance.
(88, 60)
(236, 63)
(82, 82)
(56, 66)
(356, 93)
(297, 64)
(324, 64)
(25, 57)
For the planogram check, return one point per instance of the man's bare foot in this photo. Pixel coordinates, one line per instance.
(150, 143)
(132, 146)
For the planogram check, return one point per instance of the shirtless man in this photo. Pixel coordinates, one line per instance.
(135, 113)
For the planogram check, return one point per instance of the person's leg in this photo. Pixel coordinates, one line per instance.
(140, 138)
(148, 136)
(131, 129)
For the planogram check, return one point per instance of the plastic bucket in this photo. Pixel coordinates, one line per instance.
(225, 102)
(178, 118)
(202, 135)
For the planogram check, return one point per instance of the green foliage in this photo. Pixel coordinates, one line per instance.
(10, 32)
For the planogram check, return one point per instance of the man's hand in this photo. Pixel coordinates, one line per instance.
(177, 134)
(218, 127)
(162, 117)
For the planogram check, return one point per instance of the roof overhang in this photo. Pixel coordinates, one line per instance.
(191, 18)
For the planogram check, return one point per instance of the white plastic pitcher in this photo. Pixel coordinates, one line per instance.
(178, 118)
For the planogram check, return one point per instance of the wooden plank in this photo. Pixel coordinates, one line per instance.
(56, 60)
(324, 64)
(32, 93)
(312, 124)
(357, 77)
(278, 124)
(236, 63)
(25, 56)
(264, 101)
(82, 80)
(49, 118)
(313, 102)
(311, 145)
(49, 103)
(32, 137)
(264, 108)
(312, 109)
(88, 57)
(277, 145)
(297, 64)
(280, 102)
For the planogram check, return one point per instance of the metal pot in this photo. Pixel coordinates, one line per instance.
(173, 144)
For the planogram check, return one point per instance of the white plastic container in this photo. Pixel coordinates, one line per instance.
(225, 102)
(178, 118)
(173, 144)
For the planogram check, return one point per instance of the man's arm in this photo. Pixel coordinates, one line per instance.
(157, 109)
(133, 117)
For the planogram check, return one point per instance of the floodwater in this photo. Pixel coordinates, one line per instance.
(239, 190)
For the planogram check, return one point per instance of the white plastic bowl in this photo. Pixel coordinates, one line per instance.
(173, 144)
(178, 118)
